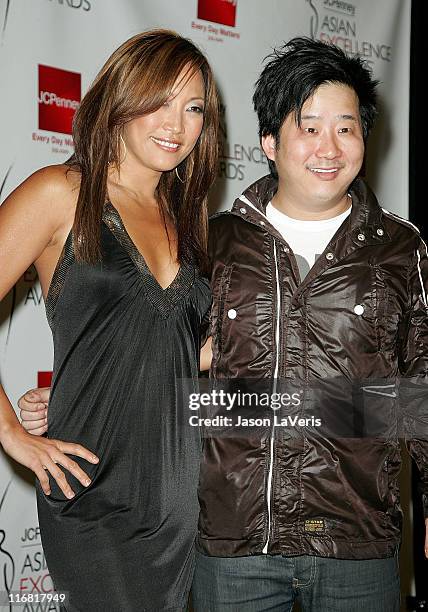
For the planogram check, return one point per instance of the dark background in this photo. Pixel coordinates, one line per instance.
(418, 132)
(418, 205)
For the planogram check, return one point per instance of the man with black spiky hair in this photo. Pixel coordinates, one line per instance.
(316, 285)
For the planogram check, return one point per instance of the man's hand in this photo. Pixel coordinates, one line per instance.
(33, 407)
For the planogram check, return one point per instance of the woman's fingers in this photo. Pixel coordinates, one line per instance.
(58, 456)
(58, 476)
(40, 472)
(58, 452)
(70, 448)
(73, 468)
(40, 454)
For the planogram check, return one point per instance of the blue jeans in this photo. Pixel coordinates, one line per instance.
(273, 583)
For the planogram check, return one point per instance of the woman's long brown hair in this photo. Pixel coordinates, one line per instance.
(136, 80)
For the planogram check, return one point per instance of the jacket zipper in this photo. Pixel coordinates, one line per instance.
(275, 375)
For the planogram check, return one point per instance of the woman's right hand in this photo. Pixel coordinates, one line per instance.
(33, 407)
(42, 455)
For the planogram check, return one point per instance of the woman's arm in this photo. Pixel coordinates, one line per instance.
(34, 221)
(206, 355)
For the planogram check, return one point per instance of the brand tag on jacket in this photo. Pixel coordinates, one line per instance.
(314, 526)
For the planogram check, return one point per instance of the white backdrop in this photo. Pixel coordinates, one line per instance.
(77, 36)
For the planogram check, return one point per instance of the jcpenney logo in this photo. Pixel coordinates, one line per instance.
(48, 97)
(44, 379)
(218, 11)
(58, 97)
(85, 5)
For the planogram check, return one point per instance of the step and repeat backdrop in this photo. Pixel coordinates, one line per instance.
(50, 50)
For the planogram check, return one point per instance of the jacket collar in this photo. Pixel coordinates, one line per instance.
(366, 221)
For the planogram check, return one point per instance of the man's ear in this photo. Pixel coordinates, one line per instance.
(269, 146)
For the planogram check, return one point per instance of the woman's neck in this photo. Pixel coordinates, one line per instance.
(135, 182)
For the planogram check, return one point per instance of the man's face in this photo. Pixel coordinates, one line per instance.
(318, 160)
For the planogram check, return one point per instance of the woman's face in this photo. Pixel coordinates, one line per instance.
(161, 140)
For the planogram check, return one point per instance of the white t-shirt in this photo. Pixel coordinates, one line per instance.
(307, 239)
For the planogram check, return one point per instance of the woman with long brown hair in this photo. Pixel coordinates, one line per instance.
(118, 236)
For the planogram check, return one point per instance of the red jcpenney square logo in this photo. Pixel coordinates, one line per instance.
(44, 379)
(219, 11)
(59, 96)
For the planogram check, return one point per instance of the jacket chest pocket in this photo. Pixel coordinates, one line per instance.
(220, 313)
(222, 303)
(374, 311)
(386, 310)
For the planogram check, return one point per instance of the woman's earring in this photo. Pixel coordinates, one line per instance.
(124, 146)
(178, 176)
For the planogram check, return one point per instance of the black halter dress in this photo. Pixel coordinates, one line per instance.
(123, 349)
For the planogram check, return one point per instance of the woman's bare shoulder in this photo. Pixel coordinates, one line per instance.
(35, 216)
(57, 184)
(50, 193)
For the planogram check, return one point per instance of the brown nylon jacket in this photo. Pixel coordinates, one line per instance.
(310, 493)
